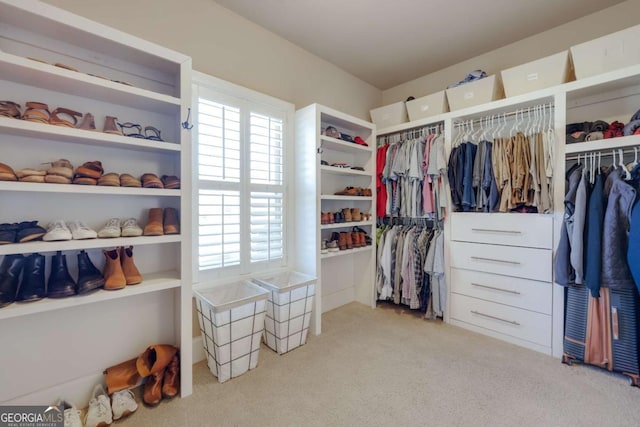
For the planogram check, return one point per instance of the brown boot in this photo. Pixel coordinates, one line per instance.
(122, 376)
(331, 218)
(342, 241)
(363, 238)
(155, 359)
(171, 382)
(171, 224)
(113, 274)
(129, 269)
(355, 238)
(347, 214)
(355, 215)
(349, 241)
(154, 223)
(153, 389)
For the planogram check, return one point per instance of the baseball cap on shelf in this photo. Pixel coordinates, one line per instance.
(360, 141)
(332, 132)
(345, 137)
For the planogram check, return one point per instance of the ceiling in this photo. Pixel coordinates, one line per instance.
(389, 42)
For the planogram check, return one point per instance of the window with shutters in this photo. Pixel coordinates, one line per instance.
(240, 152)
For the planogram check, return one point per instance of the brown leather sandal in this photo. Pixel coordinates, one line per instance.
(10, 109)
(57, 121)
(36, 112)
(109, 180)
(7, 173)
(150, 180)
(171, 182)
(127, 180)
(84, 180)
(90, 170)
(88, 122)
(110, 126)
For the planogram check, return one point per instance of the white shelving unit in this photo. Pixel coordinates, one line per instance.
(611, 96)
(62, 346)
(347, 275)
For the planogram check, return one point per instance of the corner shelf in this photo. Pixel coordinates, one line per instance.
(25, 128)
(152, 283)
(86, 189)
(46, 76)
(71, 245)
(346, 252)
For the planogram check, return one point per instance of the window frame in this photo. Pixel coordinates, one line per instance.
(248, 101)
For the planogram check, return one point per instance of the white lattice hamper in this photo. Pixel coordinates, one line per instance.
(231, 320)
(289, 309)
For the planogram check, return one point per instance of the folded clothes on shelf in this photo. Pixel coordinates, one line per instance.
(592, 131)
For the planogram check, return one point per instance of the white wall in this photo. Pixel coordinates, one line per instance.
(549, 42)
(227, 46)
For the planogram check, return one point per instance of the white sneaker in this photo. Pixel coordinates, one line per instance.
(110, 229)
(123, 404)
(80, 230)
(130, 228)
(57, 230)
(99, 412)
(71, 415)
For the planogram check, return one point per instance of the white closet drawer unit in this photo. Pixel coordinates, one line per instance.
(528, 294)
(511, 261)
(515, 322)
(528, 230)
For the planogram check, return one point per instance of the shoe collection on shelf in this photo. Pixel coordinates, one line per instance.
(354, 191)
(160, 222)
(22, 278)
(90, 173)
(39, 112)
(344, 215)
(344, 240)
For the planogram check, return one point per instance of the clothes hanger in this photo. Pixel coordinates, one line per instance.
(627, 174)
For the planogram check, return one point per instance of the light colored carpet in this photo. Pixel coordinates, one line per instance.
(387, 367)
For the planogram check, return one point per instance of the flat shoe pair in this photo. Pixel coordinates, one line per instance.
(60, 172)
(171, 182)
(7, 173)
(109, 180)
(127, 180)
(150, 180)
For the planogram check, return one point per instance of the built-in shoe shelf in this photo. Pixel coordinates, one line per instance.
(46, 76)
(86, 189)
(345, 224)
(77, 245)
(342, 146)
(346, 198)
(24, 128)
(151, 283)
(344, 171)
(345, 252)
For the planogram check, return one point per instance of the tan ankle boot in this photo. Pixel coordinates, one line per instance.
(347, 214)
(113, 275)
(349, 241)
(129, 269)
(154, 223)
(170, 222)
(355, 214)
(342, 241)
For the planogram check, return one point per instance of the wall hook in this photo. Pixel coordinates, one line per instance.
(186, 125)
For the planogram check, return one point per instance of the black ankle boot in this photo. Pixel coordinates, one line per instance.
(10, 270)
(61, 283)
(89, 277)
(32, 287)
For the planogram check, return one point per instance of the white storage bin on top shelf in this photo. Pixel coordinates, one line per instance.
(427, 106)
(389, 115)
(288, 309)
(611, 52)
(475, 93)
(540, 74)
(231, 319)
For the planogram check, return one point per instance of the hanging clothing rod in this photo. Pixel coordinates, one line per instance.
(434, 128)
(607, 152)
(500, 116)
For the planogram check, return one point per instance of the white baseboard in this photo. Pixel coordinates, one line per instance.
(198, 350)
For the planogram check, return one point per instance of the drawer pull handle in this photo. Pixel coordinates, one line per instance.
(477, 258)
(509, 291)
(489, 230)
(512, 322)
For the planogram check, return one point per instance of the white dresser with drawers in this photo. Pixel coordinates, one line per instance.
(500, 277)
